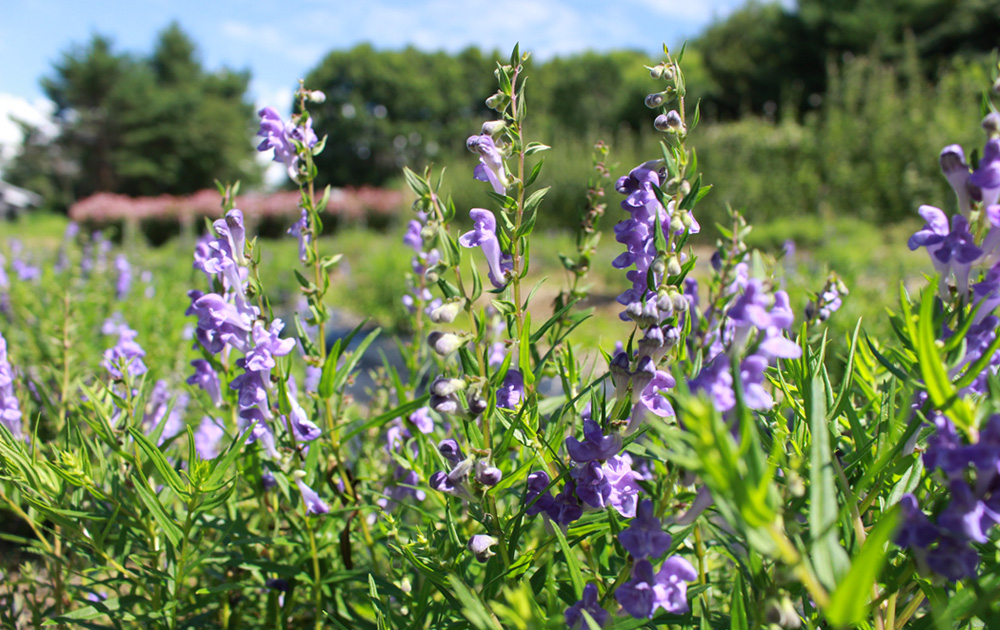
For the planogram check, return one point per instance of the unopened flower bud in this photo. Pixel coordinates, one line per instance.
(447, 312)
(444, 343)
(655, 100)
(486, 474)
(651, 345)
(450, 450)
(664, 303)
(991, 124)
(497, 102)
(316, 96)
(644, 373)
(634, 311)
(650, 313)
(676, 224)
(673, 266)
(446, 405)
(428, 232)
(493, 127)
(685, 188)
(477, 404)
(671, 336)
(656, 72)
(680, 302)
(658, 266)
(447, 386)
(480, 545)
(461, 471)
(660, 122)
(620, 374)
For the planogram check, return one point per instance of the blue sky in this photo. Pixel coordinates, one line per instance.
(280, 41)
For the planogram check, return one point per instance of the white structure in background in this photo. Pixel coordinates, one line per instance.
(14, 200)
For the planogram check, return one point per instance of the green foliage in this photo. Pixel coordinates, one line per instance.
(139, 126)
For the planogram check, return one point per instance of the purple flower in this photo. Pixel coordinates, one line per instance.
(538, 482)
(125, 354)
(304, 429)
(595, 446)
(421, 418)
(624, 484)
(916, 530)
(565, 508)
(490, 168)
(231, 228)
(282, 137)
(667, 589)
(717, 382)
(954, 559)
(208, 438)
(412, 238)
(987, 176)
(480, 545)
(590, 603)
(652, 397)
(300, 229)
(204, 377)
(955, 169)
(124, 281)
(484, 236)
(511, 391)
(10, 411)
(314, 504)
(645, 537)
(951, 252)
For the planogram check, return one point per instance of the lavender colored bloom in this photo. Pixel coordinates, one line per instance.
(486, 474)
(591, 484)
(314, 504)
(421, 418)
(955, 169)
(987, 177)
(10, 410)
(645, 537)
(916, 530)
(590, 603)
(490, 168)
(450, 450)
(484, 236)
(667, 589)
(311, 381)
(480, 545)
(304, 429)
(624, 484)
(966, 516)
(406, 481)
(231, 228)
(412, 238)
(652, 398)
(565, 508)
(300, 230)
(208, 438)
(282, 136)
(717, 382)
(511, 391)
(951, 252)
(124, 281)
(204, 377)
(538, 482)
(595, 446)
(126, 353)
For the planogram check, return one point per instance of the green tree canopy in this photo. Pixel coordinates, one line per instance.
(141, 125)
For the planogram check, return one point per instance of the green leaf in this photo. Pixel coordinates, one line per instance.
(738, 619)
(572, 564)
(169, 527)
(417, 184)
(849, 603)
(827, 554)
(167, 473)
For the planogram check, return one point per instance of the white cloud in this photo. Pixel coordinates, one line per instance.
(37, 112)
(271, 39)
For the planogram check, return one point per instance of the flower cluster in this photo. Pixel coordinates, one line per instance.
(288, 139)
(10, 410)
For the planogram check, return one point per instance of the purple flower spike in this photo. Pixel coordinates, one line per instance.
(10, 411)
(490, 168)
(314, 504)
(595, 446)
(645, 537)
(231, 228)
(282, 136)
(590, 603)
(484, 236)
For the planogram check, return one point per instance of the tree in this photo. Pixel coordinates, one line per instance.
(145, 126)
